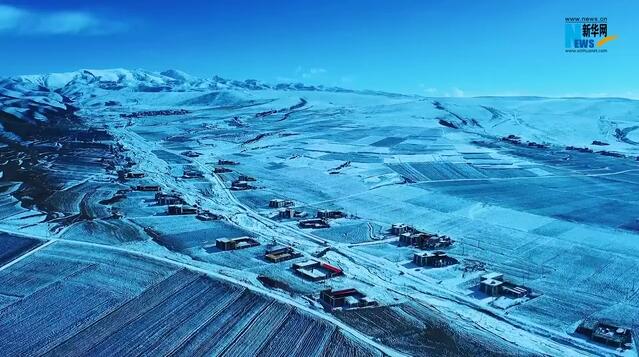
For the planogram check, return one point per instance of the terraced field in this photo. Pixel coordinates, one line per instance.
(12, 247)
(70, 301)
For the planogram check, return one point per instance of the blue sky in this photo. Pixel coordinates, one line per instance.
(439, 48)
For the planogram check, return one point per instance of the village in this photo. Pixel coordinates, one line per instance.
(318, 274)
(429, 251)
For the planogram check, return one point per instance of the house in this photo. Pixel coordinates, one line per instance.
(191, 153)
(221, 170)
(347, 298)
(401, 228)
(423, 240)
(208, 216)
(148, 188)
(168, 199)
(278, 203)
(436, 259)
(491, 287)
(281, 253)
(192, 174)
(514, 139)
(494, 284)
(227, 162)
(240, 186)
(181, 210)
(606, 333)
(286, 213)
(313, 223)
(134, 175)
(245, 178)
(235, 243)
(325, 214)
(316, 271)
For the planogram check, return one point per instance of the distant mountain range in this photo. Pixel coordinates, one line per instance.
(32, 100)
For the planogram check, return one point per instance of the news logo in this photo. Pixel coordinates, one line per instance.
(587, 34)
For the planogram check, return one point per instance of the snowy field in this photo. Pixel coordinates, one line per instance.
(561, 222)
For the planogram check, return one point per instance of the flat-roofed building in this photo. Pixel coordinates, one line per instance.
(491, 287)
(221, 170)
(347, 298)
(235, 243)
(315, 271)
(433, 259)
(147, 188)
(281, 253)
(181, 210)
(324, 214)
(278, 203)
(314, 223)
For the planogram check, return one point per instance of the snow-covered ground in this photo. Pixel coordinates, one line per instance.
(560, 222)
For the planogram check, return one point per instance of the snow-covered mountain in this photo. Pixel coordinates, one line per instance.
(557, 121)
(73, 84)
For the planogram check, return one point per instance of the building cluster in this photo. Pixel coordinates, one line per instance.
(221, 166)
(435, 259)
(514, 139)
(242, 183)
(314, 270)
(610, 153)
(590, 151)
(286, 209)
(321, 220)
(149, 113)
(281, 253)
(493, 284)
(236, 243)
(176, 204)
(606, 333)
(345, 299)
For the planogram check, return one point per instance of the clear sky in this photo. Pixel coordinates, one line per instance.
(455, 48)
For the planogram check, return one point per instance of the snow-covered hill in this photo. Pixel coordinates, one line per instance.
(557, 121)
